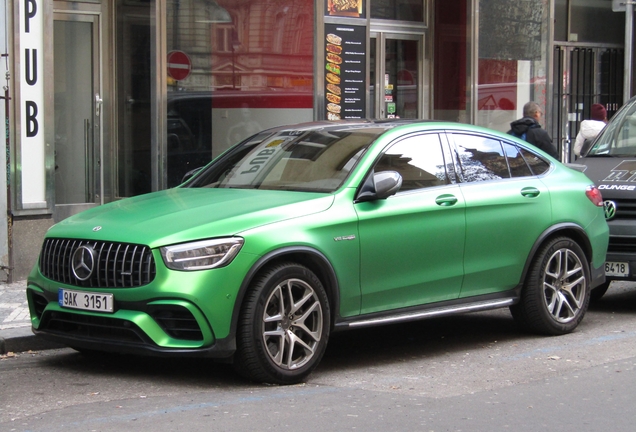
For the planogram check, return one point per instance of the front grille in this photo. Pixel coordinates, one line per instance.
(621, 245)
(116, 265)
(625, 209)
(92, 327)
(178, 322)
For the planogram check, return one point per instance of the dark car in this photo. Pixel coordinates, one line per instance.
(611, 164)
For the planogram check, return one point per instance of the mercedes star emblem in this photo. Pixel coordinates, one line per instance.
(83, 262)
(610, 209)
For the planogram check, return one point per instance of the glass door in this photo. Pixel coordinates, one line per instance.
(77, 109)
(135, 80)
(396, 71)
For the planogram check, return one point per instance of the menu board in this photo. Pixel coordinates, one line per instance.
(346, 71)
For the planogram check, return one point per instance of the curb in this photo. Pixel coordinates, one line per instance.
(22, 339)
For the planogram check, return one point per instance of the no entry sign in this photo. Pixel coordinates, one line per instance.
(179, 65)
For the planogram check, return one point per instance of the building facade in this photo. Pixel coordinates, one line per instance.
(106, 99)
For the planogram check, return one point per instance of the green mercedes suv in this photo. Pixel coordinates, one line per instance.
(301, 231)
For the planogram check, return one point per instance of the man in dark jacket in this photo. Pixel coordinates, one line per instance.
(529, 125)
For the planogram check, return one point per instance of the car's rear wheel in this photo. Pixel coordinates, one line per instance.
(284, 325)
(556, 292)
(599, 291)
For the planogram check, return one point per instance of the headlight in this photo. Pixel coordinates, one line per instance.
(201, 255)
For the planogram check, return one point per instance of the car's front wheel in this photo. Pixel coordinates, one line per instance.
(556, 292)
(284, 325)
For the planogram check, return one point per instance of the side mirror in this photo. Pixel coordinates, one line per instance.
(380, 185)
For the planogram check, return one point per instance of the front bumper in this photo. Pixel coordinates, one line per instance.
(159, 327)
(629, 258)
(622, 246)
(177, 314)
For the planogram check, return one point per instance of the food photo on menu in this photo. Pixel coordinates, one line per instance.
(348, 8)
(334, 60)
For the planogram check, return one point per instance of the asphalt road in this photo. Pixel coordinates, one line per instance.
(475, 372)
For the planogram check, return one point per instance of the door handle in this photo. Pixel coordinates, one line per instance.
(98, 105)
(530, 192)
(446, 200)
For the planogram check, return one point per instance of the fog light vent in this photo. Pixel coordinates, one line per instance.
(178, 322)
(39, 304)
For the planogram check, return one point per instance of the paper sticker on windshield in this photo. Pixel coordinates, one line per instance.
(275, 143)
(253, 167)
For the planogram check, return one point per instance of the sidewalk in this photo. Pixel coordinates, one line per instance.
(15, 322)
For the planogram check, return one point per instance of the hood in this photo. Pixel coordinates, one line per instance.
(184, 214)
(613, 176)
(590, 128)
(521, 126)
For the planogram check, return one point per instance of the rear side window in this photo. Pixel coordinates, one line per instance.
(516, 161)
(480, 158)
(537, 164)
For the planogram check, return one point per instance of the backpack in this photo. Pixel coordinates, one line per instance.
(523, 136)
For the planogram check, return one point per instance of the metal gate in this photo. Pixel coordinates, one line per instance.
(583, 76)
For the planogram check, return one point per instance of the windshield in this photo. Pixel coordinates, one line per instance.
(618, 139)
(308, 161)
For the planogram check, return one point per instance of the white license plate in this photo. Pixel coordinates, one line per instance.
(85, 300)
(616, 269)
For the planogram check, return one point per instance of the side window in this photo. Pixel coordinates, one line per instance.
(516, 162)
(619, 136)
(418, 159)
(480, 158)
(626, 137)
(537, 164)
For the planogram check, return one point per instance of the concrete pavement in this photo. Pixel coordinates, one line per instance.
(15, 322)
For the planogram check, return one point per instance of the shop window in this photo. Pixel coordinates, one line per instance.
(560, 20)
(512, 60)
(590, 21)
(596, 22)
(451, 61)
(401, 10)
(251, 69)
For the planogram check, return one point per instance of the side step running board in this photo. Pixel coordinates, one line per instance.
(429, 313)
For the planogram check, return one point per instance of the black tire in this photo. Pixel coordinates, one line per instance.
(281, 341)
(599, 291)
(556, 293)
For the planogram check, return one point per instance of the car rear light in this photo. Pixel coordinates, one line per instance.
(594, 195)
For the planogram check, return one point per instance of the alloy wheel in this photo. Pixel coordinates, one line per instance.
(292, 324)
(564, 285)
